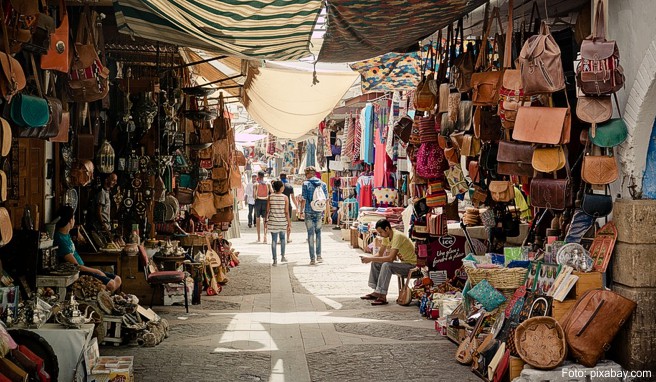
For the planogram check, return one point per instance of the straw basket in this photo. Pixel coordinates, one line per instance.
(541, 342)
(499, 278)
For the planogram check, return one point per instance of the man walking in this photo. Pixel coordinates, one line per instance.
(249, 193)
(262, 191)
(395, 245)
(288, 191)
(315, 205)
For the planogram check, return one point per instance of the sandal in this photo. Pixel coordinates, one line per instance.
(379, 301)
(369, 296)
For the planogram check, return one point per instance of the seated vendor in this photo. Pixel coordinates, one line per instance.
(66, 250)
(394, 245)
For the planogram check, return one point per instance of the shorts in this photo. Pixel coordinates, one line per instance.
(104, 279)
(260, 208)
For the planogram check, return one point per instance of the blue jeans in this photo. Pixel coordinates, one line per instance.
(274, 243)
(313, 223)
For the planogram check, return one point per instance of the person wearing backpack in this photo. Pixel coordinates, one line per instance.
(261, 190)
(315, 199)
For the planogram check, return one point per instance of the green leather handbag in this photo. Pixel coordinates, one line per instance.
(610, 133)
(29, 111)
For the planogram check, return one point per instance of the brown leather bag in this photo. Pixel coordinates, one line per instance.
(599, 169)
(5, 145)
(225, 215)
(57, 56)
(223, 201)
(485, 85)
(452, 155)
(12, 78)
(593, 322)
(599, 71)
(203, 204)
(502, 191)
(205, 186)
(6, 229)
(473, 170)
(471, 146)
(424, 98)
(556, 194)
(81, 173)
(545, 125)
(3, 186)
(594, 109)
(514, 158)
(548, 159)
(487, 125)
(540, 64)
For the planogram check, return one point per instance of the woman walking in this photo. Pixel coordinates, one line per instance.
(277, 220)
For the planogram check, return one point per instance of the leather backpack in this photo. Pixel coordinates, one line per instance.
(599, 72)
(593, 322)
(540, 65)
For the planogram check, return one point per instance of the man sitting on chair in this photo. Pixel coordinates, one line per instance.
(395, 245)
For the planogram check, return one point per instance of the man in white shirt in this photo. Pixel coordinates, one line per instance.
(250, 200)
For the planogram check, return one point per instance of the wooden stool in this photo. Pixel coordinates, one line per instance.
(113, 325)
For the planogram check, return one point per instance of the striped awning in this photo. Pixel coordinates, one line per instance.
(261, 29)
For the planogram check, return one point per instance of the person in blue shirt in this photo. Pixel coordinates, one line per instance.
(313, 219)
(66, 250)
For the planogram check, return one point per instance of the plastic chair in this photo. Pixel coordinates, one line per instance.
(162, 277)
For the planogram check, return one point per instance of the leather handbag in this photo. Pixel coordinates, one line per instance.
(502, 191)
(514, 158)
(599, 71)
(592, 323)
(403, 128)
(240, 158)
(599, 169)
(5, 144)
(511, 97)
(424, 97)
(488, 159)
(443, 99)
(540, 65)
(203, 204)
(86, 142)
(548, 159)
(472, 169)
(485, 85)
(594, 109)
(555, 194)
(184, 195)
(479, 196)
(452, 155)
(405, 294)
(487, 125)
(6, 228)
(223, 201)
(225, 215)
(29, 112)
(609, 134)
(41, 33)
(57, 56)
(205, 186)
(545, 125)
(597, 205)
(471, 146)
(12, 79)
(81, 172)
(88, 77)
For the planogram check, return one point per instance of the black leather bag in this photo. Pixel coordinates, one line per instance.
(40, 41)
(488, 160)
(597, 205)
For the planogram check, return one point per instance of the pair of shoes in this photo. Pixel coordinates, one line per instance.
(283, 259)
(312, 262)
(379, 301)
(319, 259)
(274, 263)
(250, 226)
(369, 296)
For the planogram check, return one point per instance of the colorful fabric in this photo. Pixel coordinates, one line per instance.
(274, 30)
(361, 29)
(367, 151)
(389, 72)
(357, 137)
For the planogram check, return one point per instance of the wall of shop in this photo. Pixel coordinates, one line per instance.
(630, 24)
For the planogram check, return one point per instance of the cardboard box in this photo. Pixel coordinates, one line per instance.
(586, 282)
(107, 368)
(516, 367)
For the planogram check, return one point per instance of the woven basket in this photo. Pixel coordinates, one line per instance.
(501, 278)
(540, 342)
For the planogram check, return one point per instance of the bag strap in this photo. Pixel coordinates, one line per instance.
(599, 31)
(534, 22)
(5, 41)
(546, 306)
(36, 76)
(507, 55)
(482, 54)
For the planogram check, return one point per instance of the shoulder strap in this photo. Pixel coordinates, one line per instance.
(599, 32)
(507, 55)
(482, 54)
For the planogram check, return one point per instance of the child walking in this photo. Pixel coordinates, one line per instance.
(277, 220)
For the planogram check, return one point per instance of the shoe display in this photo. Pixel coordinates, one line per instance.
(319, 259)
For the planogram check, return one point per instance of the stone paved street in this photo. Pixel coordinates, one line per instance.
(297, 322)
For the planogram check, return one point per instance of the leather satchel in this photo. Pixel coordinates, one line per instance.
(223, 201)
(555, 194)
(599, 71)
(203, 204)
(57, 56)
(548, 159)
(502, 191)
(515, 158)
(485, 88)
(41, 32)
(12, 78)
(403, 128)
(511, 97)
(405, 295)
(488, 159)
(599, 169)
(81, 173)
(545, 125)
(29, 112)
(225, 215)
(594, 109)
(609, 134)
(597, 205)
(473, 171)
(540, 65)
(424, 98)
(6, 228)
(593, 322)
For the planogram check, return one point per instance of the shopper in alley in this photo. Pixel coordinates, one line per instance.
(249, 193)
(314, 198)
(278, 220)
(395, 245)
(288, 191)
(262, 190)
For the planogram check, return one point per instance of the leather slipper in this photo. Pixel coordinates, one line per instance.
(369, 297)
(379, 302)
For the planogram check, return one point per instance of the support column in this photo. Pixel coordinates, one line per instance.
(634, 277)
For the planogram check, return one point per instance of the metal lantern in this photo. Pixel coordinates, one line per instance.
(106, 158)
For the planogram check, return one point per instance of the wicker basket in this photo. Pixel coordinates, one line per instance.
(499, 278)
(540, 342)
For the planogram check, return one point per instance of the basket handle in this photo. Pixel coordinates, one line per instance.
(546, 306)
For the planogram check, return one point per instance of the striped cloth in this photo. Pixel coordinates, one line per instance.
(347, 141)
(276, 221)
(357, 138)
(264, 29)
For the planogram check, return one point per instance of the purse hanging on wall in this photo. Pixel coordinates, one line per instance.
(485, 84)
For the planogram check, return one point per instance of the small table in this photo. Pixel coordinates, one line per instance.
(59, 282)
(169, 263)
(103, 258)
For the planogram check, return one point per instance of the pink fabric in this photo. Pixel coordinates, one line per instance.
(380, 169)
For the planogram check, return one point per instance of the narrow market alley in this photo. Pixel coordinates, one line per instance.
(297, 322)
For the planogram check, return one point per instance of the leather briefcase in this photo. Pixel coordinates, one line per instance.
(555, 194)
(515, 159)
(593, 322)
(545, 125)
